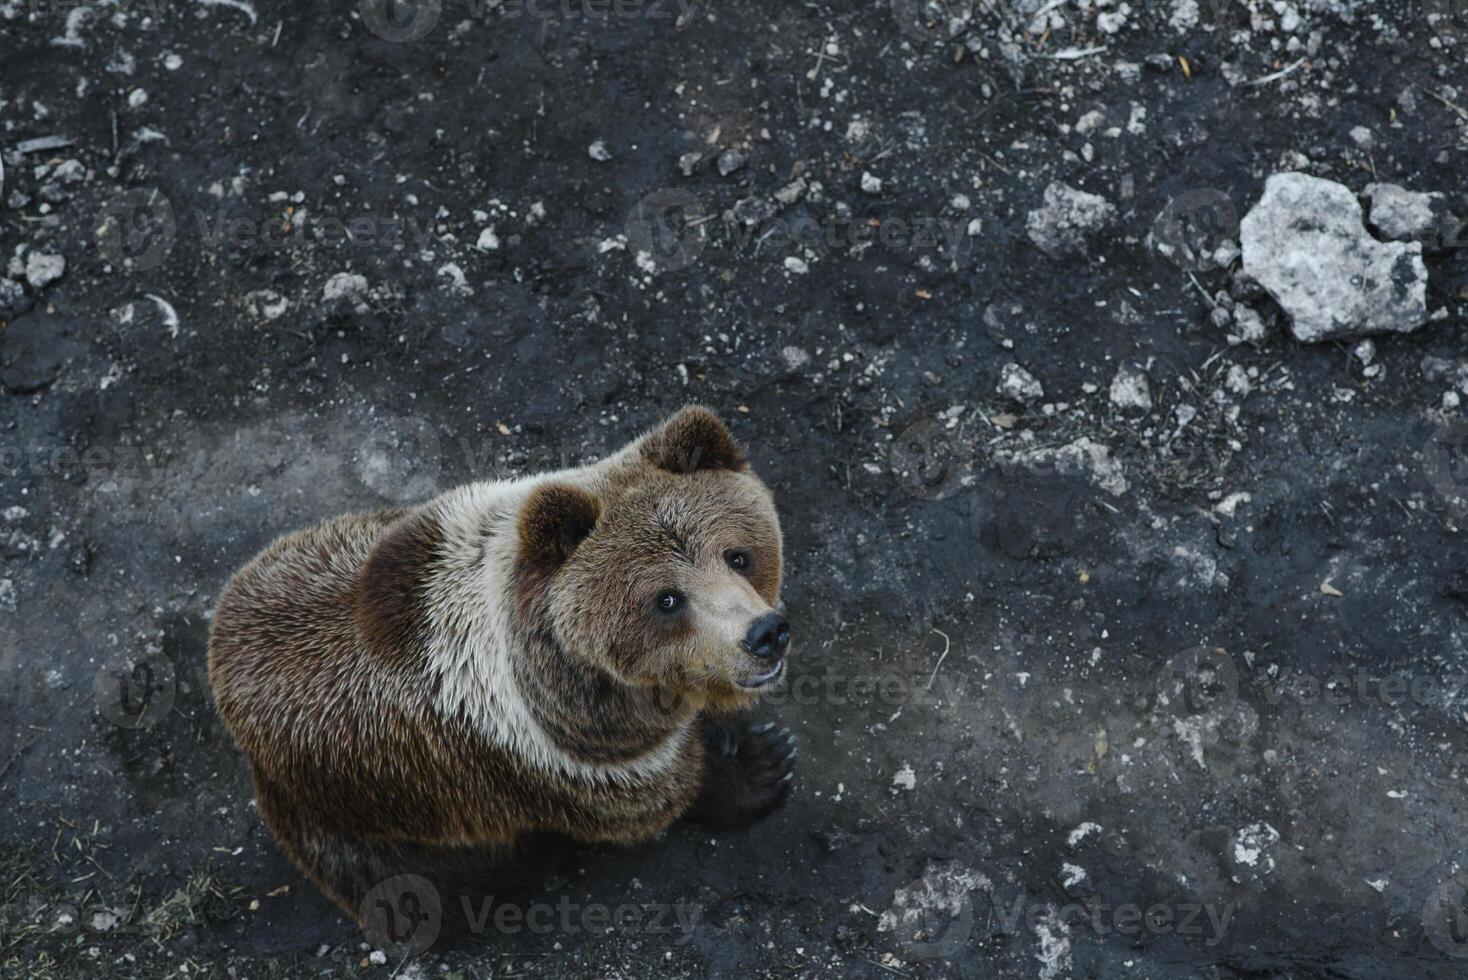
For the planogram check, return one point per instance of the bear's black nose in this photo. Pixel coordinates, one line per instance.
(768, 636)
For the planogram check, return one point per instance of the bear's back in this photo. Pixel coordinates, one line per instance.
(284, 634)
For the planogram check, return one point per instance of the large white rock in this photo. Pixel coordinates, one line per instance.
(1305, 242)
(1067, 219)
(1403, 215)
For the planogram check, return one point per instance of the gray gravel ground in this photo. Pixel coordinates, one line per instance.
(1130, 625)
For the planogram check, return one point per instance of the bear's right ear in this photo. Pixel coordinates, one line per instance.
(693, 439)
(555, 518)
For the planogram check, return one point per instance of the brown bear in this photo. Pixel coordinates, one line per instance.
(561, 654)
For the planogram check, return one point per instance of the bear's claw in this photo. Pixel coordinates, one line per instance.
(749, 780)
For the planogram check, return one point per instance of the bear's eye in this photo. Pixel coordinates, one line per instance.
(738, 559)
(669, 601)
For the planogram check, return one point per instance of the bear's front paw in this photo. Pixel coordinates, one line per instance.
(747, 774)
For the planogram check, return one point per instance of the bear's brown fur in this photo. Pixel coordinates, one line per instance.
(498, 663)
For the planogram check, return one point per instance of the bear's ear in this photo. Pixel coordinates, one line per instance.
(693, 439)
(555, 518)
(393, 585)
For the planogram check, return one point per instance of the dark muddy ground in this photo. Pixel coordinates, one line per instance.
(1181, 702)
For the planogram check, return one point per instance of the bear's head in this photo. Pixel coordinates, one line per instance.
(666, 571)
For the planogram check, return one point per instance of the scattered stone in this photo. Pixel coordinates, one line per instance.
(1080, 458)
(795, 358)
(105, 920)
(345, 285)
(870, 184)
(598, 151)
(1409, 216)
(57, 181)
(730, 161)
(458, 284)
(266, 304)
(1248, 326)
(1018, 384)
(1130, 391)
(941, 894)
(1073, 878)
(1306, 244)
(688, 161)
(1253, 847)
(753, 211)
(42, 269)
(796, 265)
(1238, 381)
(1365, 352)
(488, 240)
(1440, 369)
(1094, 119)
(13, 300)
(1066, 219)
(791, 192)
(1081, 832)
(1225, 254)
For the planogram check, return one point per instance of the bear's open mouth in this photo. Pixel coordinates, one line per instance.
(765, 679)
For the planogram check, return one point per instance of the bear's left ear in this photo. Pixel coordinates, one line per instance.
(693, 439)
(554, 519)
